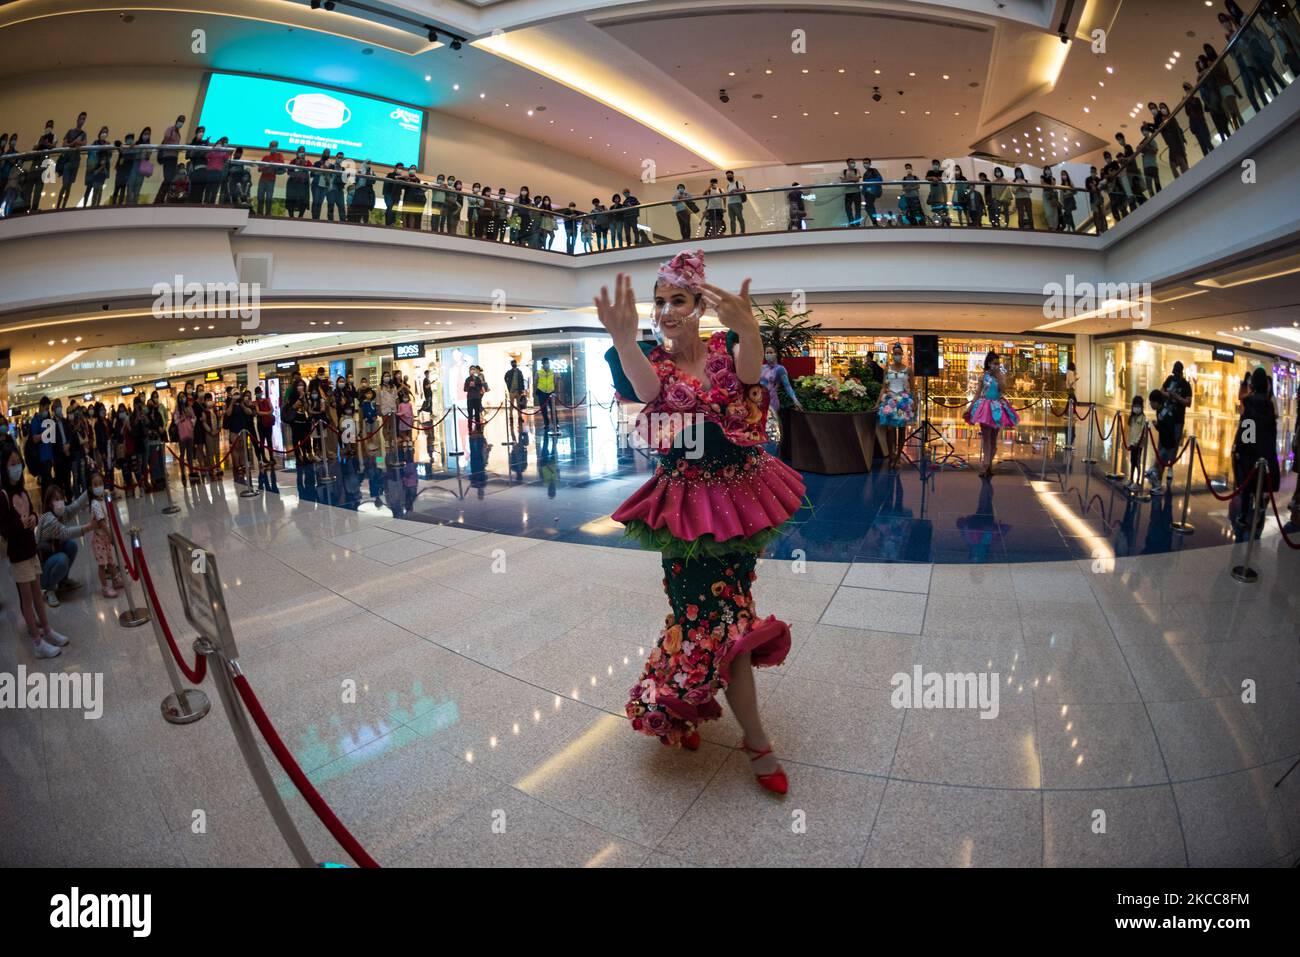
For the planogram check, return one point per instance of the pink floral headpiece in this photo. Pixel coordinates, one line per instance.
(685, 270)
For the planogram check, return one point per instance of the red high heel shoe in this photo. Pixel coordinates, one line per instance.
(691, 742)
(776, 782)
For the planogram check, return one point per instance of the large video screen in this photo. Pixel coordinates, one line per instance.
(253, 110)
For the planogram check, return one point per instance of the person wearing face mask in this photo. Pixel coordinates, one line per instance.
(776, 380)
(297, 184)
(475, 388)
(896, 408)
(701, 509)
(101, 540)
(54, 542)
(97, 166)
(388, 411)
(61, 447)
(18, 521)
(168, 158)
(183, 423)
(319, 186)
(632, 219)
(851, 177)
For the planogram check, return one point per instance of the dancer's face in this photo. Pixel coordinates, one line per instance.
(676, 312)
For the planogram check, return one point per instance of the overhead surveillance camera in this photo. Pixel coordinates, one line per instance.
(455, 44)
(875, 93)
(722, 95)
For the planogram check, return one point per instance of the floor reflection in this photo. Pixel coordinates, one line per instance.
(1044, 503)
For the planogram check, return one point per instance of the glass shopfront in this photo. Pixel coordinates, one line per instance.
(1034, 367)
(1128, 366)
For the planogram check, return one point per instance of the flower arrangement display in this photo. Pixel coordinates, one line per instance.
(819, 393)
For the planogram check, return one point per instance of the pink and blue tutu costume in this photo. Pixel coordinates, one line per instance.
(990, 409)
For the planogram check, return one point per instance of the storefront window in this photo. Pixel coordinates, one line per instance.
(1033, 367)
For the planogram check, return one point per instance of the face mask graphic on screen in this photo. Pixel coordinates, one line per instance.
(318, 110)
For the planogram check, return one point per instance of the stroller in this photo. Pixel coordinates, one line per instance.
(179, 190)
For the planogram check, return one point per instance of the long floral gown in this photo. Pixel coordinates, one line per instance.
(710, 508)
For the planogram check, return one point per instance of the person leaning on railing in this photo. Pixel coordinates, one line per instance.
(266, 179)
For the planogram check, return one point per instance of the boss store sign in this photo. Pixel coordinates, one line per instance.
(408, 350)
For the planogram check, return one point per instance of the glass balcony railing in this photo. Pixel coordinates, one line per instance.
(1260, 60)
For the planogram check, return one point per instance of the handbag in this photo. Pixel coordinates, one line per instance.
(146, 167)
(690, 204)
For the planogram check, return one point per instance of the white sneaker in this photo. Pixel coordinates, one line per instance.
(51, 599)
(54, 638)
(43, 649)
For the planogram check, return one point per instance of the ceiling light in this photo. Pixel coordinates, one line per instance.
(945, 76)
(427, 78)
(530, 112)
(877, 72)
(768, 72)
(841, 70)
(1110, 69)
(803, 71)
(731, 73)
(455, 86)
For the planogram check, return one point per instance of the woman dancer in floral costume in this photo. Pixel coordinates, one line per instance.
(715, 500)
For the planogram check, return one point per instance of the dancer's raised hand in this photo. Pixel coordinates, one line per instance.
(618, 317)
(733, 310)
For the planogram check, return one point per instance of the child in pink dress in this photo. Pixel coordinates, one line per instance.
(101, 539)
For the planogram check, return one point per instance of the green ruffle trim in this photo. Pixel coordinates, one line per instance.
(706, 546)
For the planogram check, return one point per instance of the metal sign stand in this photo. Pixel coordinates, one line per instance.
(205, 609)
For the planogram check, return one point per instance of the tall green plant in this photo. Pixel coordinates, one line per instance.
(786, 332)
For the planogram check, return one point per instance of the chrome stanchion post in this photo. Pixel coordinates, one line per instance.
(587, 399)
(1141, 494)
(1047, 407)
(171, 508)
(1183, 526)
(1115, 453)
(1069, 422)
(1088, 423)
(223, 673)
(251, 465)
(1243, 572)
(134, 616)
(183, 705)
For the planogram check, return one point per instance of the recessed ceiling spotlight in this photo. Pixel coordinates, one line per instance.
(946, 77)
(1110, 69)
(911, 74)
(482, 96)
(768, 72)
(840, 70)
(455, 86)
(530, 112)
(803, 71)
(427, 78)
(877, 72)
(731, 73)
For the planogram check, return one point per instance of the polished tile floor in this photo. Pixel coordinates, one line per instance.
(1147, 706)
(1044, 504)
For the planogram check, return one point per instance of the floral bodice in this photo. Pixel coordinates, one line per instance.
(739, 410)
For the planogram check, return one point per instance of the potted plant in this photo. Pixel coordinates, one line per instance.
(835, 433)
(788, 334)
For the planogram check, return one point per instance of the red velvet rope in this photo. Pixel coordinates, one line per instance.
(1085, 415)
(121, 545)
(1236, 491)
(199, 671)
(291, 768)
(1281, 526)
(1162, 462)
(1096, 421)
